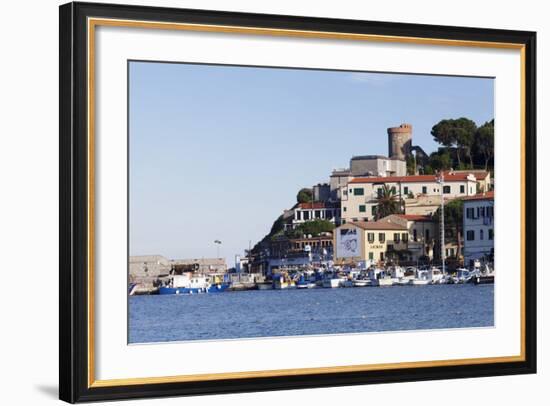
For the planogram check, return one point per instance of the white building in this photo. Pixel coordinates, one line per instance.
(316, 211)
(377, 165)
(478, 225)
(359, 197)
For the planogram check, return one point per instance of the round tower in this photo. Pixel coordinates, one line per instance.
(399, 141)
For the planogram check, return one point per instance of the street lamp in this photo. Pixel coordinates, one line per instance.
(218, 243)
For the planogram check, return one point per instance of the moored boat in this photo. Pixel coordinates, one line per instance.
(191, 284)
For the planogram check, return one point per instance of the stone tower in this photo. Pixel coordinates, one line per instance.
(399, 141)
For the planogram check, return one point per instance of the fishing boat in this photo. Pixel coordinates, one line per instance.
(191, 284)
(379, 277)
(422, 277)
(463, 275)
(436, 276)
(282, 282)
(361, 281)
(331, 280)
(484, 276)
(304, 283)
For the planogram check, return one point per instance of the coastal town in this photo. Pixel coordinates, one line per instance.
(410, 218)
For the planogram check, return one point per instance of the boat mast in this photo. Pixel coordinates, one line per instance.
(441, 181)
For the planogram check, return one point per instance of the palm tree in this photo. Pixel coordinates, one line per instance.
(387, 202)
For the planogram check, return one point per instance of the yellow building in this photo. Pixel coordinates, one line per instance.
(362, 241)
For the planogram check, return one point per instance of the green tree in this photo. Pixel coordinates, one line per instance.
(305, 195)
(453, 220)
(313, 227)
(440, 160)
(458, 133)
(411, 164)
(387, 202)
(484, 142)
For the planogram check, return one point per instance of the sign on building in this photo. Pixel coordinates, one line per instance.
(347, 241)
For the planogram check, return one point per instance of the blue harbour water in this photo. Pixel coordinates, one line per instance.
(273, 313)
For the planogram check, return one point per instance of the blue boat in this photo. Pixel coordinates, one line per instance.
(191, 285)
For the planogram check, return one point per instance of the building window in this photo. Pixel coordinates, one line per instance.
(373, 210)
(446, 189)
(470, 235)
(317, 214)
(362, 208)
(343, 221)
(371, 255)
(481, 234)
(354, 219)
(381, 237)
(350, 191)
(425, 190)
(381, 256)
(470, 213)
(370, 237)
(405, 237)
(406, 190)
(365, 219)
(393, 189)
(298, 215)
(396, 237)
(461, 188)
(358, 191)
(491, 234)
(306, 215)
(345, 208)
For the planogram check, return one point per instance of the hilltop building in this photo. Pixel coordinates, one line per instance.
(359, 198)
(304, 212)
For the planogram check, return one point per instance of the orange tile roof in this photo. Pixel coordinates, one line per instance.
(415, 217)
(316, 205)
(448, 177)
(377, 225)
(482, 196)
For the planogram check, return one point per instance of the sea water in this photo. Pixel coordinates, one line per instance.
(292, 312)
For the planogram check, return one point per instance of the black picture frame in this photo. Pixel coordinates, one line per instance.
(74, 199)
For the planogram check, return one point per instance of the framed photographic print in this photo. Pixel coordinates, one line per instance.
(257, 202)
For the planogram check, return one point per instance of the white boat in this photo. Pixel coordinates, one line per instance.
(405, 281)
(331, 282)
(306, 285)
(360, 283)
(422, 277)
(436, 276)
(385, 281)
(463, 275)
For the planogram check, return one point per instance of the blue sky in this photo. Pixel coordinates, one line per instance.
(217, 152)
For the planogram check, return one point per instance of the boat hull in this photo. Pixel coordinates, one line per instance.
(218, 288)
